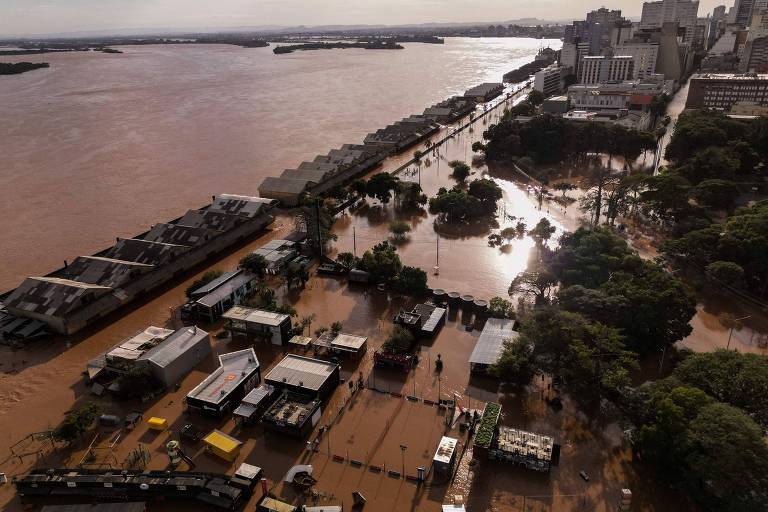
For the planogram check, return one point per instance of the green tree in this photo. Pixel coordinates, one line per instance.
(359, 187)
(399, 341)
(461, 171)
(296, 273)
(731, 377)
(564, 187)
(500, 308)
(77, 422)
(399, 229)
(347, 259)
(410, 196)
(517, 363)
(411, 281)
(536, 97)
(254, 263)
(534, 282)
(487, 192)
(726, 273)
(542, 231)
(382, 262)
(381, 185)
(718, 194)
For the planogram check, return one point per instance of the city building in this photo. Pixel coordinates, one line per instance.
(684, 12)
(549, 80)
(304, 376)
(267, 325)
(723, 91)
(755, 55)
(219, 393)
(490, 344)
(595, 69)
(629, 95)
(556, 105)
(743, 11)
(644, 55)
(210, 301)
(293, 414)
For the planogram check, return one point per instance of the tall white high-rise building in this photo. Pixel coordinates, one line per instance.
(684, 12)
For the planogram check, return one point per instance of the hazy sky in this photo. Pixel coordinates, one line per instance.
(55, 16)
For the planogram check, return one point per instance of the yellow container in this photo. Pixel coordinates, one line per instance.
(157, 423)
(219, 443)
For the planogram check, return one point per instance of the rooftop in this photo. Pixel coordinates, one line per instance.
(730, 76)
(104, 271)
(139, 344)
(445, 449)
(483, 88)
(242, 206)
(491, 341)
(526, 444)
(272, 184)
(301, 371)
(53, 296)
(174, 345)
(145, 251)
(179, 235)
(234, 368)
(256, 316)
(209, 219)
(225, 288)
(252, 400)
(291, 409)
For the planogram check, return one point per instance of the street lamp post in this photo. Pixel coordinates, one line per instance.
(402, 452)
(734, 323)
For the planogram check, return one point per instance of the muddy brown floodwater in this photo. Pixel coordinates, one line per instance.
(41, 383)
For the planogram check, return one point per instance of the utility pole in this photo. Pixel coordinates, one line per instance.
(319, 232)
(354, 241)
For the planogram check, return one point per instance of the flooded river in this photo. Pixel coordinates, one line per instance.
(104, 145)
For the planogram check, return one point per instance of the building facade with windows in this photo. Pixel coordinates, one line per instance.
(595, 69)
(723, 91)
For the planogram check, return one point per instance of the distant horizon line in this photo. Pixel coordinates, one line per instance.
(161, 31)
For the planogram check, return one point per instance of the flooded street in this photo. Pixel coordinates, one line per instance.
(253, 139)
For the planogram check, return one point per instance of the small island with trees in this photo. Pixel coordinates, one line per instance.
(373, 45)
(17, 68)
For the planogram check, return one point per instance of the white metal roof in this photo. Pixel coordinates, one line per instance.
(348, 342)
(256, 316)
(491, 342)
(445, 450)
(301, 371)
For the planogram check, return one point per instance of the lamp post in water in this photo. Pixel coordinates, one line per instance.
(402, 452)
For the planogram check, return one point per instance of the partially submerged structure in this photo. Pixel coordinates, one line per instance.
(342, 343)
(255, 402)
(424, 320)
(223, 389)
(210, 301)
(527, 449)
(490, 345)
(445, 456)
(277, 254)
(484, 92)
(293, 414)
(252, 322)
(89, 288)
(304, 376)
(168, 355)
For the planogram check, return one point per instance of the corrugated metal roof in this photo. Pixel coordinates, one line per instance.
(174, 345)
(301, 371)
(491, 342)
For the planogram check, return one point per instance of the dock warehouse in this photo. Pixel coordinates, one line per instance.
(273, 327)
(489, 346)
(304, 376)
(484, 92)
(223, 390)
